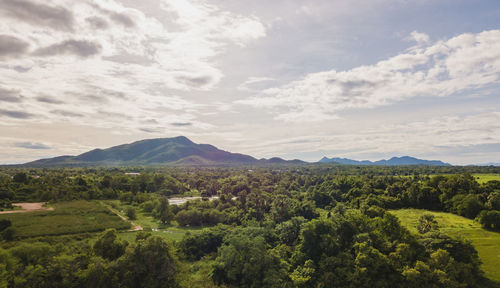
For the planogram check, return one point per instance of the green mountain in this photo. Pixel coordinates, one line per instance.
(162, 151)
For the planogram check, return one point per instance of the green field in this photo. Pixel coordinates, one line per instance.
(66, 218)
(172, 232)
(483, 178)
(487, 243)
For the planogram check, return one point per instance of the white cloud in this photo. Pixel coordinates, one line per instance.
(429, 138)
(420, 38)
(109, 65)
(251, 81)
(462, 63)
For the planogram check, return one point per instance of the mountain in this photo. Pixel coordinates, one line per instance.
(344, 161)
(486, 164)
(394, 161)
(162, 151)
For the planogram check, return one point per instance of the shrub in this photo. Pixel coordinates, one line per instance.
(427, 223)
(130, 212)
(489, 219)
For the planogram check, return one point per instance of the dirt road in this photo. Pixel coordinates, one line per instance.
(135, 227)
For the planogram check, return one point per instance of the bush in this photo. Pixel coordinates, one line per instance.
(466, 205)
(195, 246)
(195, 217)
(244, 262)
(148, 206)
(109, 246)
(489, 219)
(130, 212)
(8, 234)
(427, 223)
(4, 224)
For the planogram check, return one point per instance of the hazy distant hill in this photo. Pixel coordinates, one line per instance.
(486, 164)
(394, 161)
(162, 151)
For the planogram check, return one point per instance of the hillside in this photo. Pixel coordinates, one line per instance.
(394, 161)
(487, 243)
(161, 151)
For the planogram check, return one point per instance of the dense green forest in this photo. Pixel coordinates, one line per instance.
(277, 226)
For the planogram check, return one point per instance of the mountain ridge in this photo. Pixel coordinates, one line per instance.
(176, 151)
(181, 151)
(394, 161)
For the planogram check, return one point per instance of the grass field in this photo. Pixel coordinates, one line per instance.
(172, 232)
(487, 243)
(483, 178)
(66, 218)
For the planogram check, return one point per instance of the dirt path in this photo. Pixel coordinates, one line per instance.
(135, 227)
(29, 207)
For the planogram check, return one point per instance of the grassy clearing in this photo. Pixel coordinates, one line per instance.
(487, 243)
(170, 233)
(14, 208)
(66, 218)
(483, 178)
(146, 220)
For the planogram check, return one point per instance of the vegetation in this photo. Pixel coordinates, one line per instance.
(67, 218)
(484, 178)
(427, 223)
(487, 243)
(281, 226)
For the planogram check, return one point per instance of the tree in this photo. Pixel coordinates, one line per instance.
(130, 212)
(195, 246)
(289, 231)
(21, 177)
(149, 263)
(4, 224)
(489, 219)
(493, 201)
(466, 205)
(244, 262)
(427, 223)
(7, 266)
(109, 246)
(163, 211)
(8, 234)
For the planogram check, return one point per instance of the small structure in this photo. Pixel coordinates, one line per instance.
(132, 173)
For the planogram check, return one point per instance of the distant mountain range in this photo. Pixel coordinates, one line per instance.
(486, 164)
(180, 151)
(162, 151)
(394, 161)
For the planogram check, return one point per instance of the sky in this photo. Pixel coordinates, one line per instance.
(364, 79)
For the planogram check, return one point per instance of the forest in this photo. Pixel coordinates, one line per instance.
(278, 226)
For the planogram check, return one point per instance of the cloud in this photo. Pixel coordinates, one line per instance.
(12, 46)
(420, 38)
(123, 19)
(135, 65)
(460, 64)
(210, 20)
(10, 96)
(149, 130)
(181, 124)
(15, 114)
(55, 17)
(249, 84)
(81, 48)
(32, 145)
(48, 99)
(66, 113)
(122, 16)
(196, 81)
(97, 22)
(434, 137)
